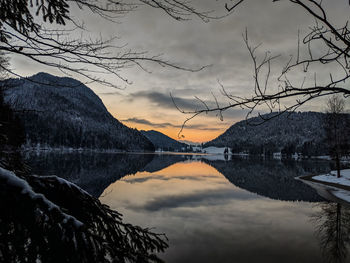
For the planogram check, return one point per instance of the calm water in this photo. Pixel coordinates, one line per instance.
(215, 210)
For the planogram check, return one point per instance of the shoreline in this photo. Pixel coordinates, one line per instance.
(311, 179)
(331, 191)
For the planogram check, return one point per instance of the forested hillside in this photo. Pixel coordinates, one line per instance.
(163, 142)
(63, 112)
(288, 133)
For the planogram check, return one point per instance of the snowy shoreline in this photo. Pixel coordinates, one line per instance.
(338, 188)
(332, 177)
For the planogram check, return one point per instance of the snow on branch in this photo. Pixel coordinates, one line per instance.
(49, 219)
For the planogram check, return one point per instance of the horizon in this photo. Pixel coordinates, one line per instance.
(168, 132)
(173, 132)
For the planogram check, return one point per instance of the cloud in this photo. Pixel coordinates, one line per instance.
(164, 100)
(109, 93)
(170, 125)
(161, 101)
(147, 122)
(167, 178)
(208, 197)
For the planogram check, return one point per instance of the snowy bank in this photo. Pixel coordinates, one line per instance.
(331, 187)
(342, 194)
(332, 177)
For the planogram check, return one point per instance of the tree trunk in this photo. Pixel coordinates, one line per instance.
(337, 160)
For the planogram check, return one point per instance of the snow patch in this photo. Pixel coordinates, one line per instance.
(342, 194)
(14, 181)
(197, 148)
(216, 150)
(332, 177)
(63, 182)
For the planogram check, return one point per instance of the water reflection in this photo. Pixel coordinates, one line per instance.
(270, 178)
(95, 172)
(92, 172)
(333, 229)
(207, 219)
(161, 161)
(215, 210)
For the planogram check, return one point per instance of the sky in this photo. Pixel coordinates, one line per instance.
(146, 103)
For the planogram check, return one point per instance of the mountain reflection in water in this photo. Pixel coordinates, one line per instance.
(215, 210)
(207, 219)
(95, 171)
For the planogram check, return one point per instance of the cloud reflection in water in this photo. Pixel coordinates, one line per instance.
(208, 219)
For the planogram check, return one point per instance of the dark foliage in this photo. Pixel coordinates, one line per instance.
(11, 137)
(337, 127)
(18, 14)
(55, 221)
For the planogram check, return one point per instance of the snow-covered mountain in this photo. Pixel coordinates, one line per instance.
(164, 142)
(290, 132)
(63, 112)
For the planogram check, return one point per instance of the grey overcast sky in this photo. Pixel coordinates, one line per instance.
(146, 103)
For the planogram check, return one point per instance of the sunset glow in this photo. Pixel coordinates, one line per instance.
(197, 136)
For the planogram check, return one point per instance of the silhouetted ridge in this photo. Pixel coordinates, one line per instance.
(63, 112)
(163, 142)
(290, 132)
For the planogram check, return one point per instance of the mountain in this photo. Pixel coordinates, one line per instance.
(63, 112)
(163, 142)
(290, 132)
(275, 180)
(190, 142)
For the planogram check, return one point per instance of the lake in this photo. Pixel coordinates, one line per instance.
(214, 209)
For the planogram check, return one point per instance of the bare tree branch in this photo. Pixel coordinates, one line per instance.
(24, 31)
(333, 44)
